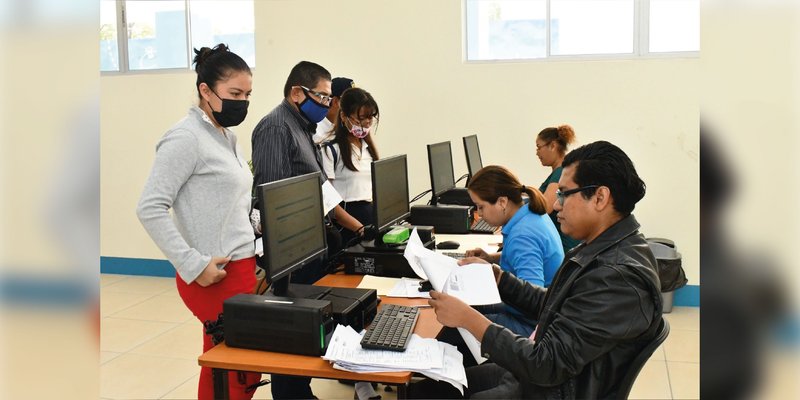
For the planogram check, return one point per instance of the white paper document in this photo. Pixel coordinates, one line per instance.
(409, 288)
(330, 197)
(430, 357)
(383, 285)
(474, 284)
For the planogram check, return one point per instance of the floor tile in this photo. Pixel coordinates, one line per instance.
(133, 376)
(682, 345)
(184, 341)
(106, 356)
(658, 354)
(112, 302)
(684, 379)
(107, 279)
(687, 318)
(122, 335)
(157, 308)
(187, 390)
(142, 284)
(652, 382)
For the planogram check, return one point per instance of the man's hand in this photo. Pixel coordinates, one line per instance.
(213, 274)
(452, 312)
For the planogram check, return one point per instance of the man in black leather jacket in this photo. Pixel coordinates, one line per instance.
(603, 306)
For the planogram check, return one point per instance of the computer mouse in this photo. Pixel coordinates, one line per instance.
(448, 245)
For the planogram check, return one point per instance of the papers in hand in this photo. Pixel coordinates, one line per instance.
(430, 357)
(330, 197)
(474, 284)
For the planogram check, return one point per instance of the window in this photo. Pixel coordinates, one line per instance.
(161, 34)
(542, 29)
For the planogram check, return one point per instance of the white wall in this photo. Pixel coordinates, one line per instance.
(409, 56)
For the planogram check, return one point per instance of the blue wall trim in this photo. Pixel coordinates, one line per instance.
(136, 266)
(687, 296)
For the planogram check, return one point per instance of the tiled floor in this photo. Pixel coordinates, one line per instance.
(150, 343)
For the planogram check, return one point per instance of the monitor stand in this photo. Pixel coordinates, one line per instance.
(283, 288)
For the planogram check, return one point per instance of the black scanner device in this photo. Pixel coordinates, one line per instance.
(448, 245)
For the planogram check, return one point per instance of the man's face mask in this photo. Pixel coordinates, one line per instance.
(310, 108)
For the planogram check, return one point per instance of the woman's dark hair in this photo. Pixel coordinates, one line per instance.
(603, 164)
(493, 181)
(217, 64)
(562, 135)
(353, 101)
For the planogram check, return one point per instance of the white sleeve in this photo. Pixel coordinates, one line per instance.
(327, 160)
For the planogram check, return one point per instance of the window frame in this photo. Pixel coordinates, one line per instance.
(641, 42)
(122, 44)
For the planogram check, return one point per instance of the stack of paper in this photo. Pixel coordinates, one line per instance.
(474, 284)
(430, 357)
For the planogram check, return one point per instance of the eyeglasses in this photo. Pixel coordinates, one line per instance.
(560, 196)
(323, 98)
(365, 122)
(539, 146)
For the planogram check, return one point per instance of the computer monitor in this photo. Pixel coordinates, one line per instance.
(292, 226)
(389, 191)
(473, 155)
(440, 163)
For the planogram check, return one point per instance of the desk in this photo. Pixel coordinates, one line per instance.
(222, 358)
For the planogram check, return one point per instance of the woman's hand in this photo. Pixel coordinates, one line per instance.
(213, 274)
(472, 260)
(477, 252)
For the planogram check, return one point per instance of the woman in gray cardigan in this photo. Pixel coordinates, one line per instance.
(199, 173)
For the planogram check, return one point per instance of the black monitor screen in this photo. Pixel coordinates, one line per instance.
(389, 190)
(291, 223)
(440, 162)
(473, 154)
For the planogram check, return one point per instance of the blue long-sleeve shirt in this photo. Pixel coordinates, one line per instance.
(532, 248)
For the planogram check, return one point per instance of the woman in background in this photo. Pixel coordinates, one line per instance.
(348, 156)
(531, 247)
(199, 173)
(551, 147)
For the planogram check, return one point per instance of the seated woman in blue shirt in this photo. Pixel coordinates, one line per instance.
(532, 248)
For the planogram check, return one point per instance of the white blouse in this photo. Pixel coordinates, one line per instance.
(351, 185)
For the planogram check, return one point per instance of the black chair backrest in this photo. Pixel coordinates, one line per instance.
(636, 365)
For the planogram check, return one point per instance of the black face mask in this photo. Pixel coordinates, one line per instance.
(233, 111)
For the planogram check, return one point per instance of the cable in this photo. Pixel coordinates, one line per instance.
(462, 178)
(419, 196)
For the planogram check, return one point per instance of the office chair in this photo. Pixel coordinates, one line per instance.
(636, 365)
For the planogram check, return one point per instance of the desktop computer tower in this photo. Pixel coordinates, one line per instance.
(379, 262)
(352, 306)
(456, 196)
(279, 324)
(444, 218)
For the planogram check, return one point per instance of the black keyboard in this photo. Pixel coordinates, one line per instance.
(480, 226)
(391, 329)
(455, 254)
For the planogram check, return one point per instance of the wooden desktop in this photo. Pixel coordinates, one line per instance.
(222, 358)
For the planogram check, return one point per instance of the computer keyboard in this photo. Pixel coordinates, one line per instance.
(391, 329)
(480, 226)
(455, 254)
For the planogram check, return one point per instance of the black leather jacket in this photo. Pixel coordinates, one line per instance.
(603, 306)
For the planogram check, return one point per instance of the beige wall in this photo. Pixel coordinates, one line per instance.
(409, 55)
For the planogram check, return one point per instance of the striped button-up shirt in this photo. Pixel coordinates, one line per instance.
(283, 146)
